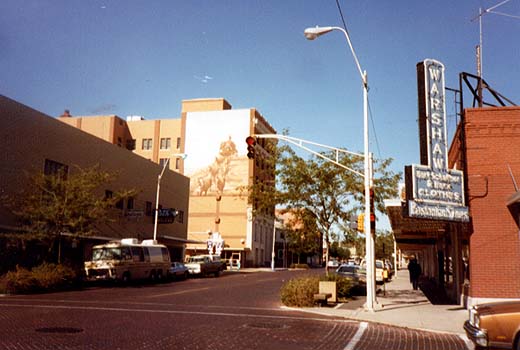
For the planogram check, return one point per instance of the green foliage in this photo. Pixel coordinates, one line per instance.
(299, 292)
(46, 277)
(338, 251)
(70, 203)
(384, 245)
(343, 284)
(328, 194)
(299, 266)
(301, 233)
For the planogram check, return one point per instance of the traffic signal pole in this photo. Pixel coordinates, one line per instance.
(300, 143)
(367, 176)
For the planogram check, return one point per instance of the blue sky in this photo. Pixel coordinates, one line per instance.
(129, 57)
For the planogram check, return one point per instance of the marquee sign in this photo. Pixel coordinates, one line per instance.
(432, 190)
(215, 243)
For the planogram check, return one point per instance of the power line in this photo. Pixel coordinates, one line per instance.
(369, 107)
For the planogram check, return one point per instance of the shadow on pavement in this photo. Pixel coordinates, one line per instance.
(435, 293)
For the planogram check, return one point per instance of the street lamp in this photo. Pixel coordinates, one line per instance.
(176, 155)
(311, 34)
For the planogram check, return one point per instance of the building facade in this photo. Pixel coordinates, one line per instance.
(475, 262)
(492, 142)
(31, 141)
(212, 136)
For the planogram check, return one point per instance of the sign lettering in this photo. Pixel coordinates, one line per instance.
(432, 190)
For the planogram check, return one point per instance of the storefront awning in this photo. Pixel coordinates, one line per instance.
(181, 240)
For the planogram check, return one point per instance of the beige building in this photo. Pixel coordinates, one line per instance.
(212, 135)
(31, 142)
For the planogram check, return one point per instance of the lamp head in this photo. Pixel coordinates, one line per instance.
(314, 32)
(180, 155)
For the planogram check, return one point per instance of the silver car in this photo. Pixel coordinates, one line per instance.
(355, 273)
(178, 271)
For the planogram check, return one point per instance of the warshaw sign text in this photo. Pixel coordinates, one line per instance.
(432, 190)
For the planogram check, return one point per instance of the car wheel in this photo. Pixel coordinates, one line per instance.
(516, 343)
(185, 276)
(159, 276)
(152, 276)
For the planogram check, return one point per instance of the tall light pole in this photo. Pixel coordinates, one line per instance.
(311, 34)
(159, 177)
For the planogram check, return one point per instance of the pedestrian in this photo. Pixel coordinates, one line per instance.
(415, 271)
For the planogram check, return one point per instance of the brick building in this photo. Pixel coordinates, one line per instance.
(478, 261)
(212, 136)
(31, 140)
(492, 144)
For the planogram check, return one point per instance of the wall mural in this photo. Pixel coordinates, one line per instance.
(217, 164)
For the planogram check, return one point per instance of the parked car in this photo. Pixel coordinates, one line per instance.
(333, 264)
(353, 272)
(204, 265)
(178, 271)
(495, 325)
(380, 269)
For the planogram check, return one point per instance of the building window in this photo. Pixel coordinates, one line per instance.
(177, 162)
(162, 161)
(130, 203)
(166, 143)
(180, 216)
(119, 142)
(147, 144)
(130, 144)
(178, 142)
(148, 209)
(108, 194)
(55, 168)
(120, 204)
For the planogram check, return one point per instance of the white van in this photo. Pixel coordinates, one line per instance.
(128, 259)
(380, 270)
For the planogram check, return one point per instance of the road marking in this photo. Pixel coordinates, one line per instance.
(113, 302)
(176, 293)
(221, 314)
(357, 337)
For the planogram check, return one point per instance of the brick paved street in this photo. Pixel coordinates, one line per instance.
(236, 311)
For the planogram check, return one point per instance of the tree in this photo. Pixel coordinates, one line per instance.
(339, 251)
(384, 245)
(65, 203)
(301, 233)
(327, 192)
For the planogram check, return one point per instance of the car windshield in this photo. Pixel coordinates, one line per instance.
(348, 268)
(379, 264)
(196, 259)
(106, 254)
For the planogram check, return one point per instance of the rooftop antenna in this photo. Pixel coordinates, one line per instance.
(480, 53)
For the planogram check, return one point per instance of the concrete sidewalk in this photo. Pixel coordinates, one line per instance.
(398, 304)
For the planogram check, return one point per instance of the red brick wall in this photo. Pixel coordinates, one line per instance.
(493, 143)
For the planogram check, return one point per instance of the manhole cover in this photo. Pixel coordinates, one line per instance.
(59, 330)
(266, 326)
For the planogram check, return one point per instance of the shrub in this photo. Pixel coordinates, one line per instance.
(299, 266)
(300, 291)
(343, 284)
(46, 277)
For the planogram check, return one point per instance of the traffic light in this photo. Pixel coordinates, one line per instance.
(361, 222)
(251, 143)
(372, 211)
